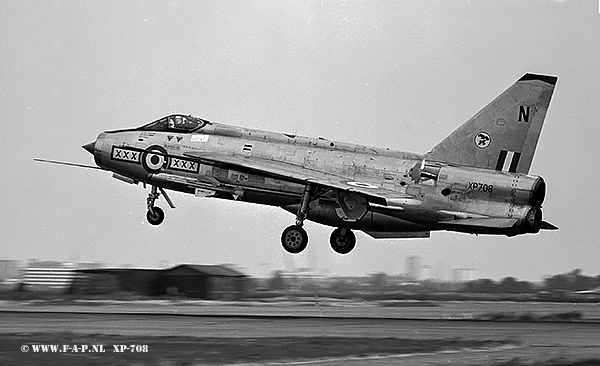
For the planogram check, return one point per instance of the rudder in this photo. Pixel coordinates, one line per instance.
(504, 134)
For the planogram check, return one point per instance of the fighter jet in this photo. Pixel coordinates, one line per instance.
(474, 181)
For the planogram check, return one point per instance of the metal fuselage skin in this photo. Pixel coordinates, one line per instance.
(442, 193)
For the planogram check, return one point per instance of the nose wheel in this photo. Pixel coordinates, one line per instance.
(155, 215)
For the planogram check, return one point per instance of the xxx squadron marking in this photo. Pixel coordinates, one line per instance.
(125, 154)
(183, 165)
(154, 159)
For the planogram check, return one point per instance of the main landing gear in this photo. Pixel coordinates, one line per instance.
(155, 214)
(342, 240)
(295, 239)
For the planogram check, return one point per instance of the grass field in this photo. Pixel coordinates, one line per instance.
(173, 351)
(176, 351)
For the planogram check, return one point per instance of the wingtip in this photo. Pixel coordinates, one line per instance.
(545, 78)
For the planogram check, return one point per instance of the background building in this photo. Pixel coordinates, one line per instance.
(48, 276)
(9, 270)
(99, 281)
(209, 282)
(464, 274)
(413, 267)
(202, 281)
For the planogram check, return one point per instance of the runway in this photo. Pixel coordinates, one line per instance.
(530, 340)
(568, 334)
(311, 307)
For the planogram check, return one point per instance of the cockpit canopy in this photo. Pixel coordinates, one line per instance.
(175, 123)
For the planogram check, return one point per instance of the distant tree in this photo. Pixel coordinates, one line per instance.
(581, 282)
(511, 285)
(507, 285)
(484, 285)
(251, 284)
(340, 285)
(277, 282)
(572, 281)
(557, 282)
(308, 287)
(526, 287)
(378, 280)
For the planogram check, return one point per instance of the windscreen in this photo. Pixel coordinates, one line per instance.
(175, 123)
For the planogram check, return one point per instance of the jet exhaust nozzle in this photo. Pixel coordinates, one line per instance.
(532, 222)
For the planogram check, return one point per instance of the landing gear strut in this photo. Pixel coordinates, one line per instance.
(294, 238)
(155, 214)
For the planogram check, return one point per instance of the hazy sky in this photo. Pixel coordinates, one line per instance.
(397, 74)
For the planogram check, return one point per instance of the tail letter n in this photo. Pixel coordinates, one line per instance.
(523, 113)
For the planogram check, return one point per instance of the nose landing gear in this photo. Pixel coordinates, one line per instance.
(294, 238)
(155, 214)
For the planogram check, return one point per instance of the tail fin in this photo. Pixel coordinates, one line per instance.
(504, 134)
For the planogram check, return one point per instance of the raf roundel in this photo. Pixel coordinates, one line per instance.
(154, 159)
(482, 140)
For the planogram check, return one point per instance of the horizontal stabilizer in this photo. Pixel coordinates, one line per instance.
(494, 223)
(398, 234)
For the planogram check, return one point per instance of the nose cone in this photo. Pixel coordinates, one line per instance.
(90, 147)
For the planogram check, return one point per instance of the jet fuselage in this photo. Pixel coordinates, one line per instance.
(476, 180)
(439, 191)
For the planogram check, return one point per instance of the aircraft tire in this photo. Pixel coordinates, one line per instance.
(294, 239)
(155, 216)
(342, 243)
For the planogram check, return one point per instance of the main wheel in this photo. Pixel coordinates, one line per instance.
(294, 239)
(155, 216)
(342, 240)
